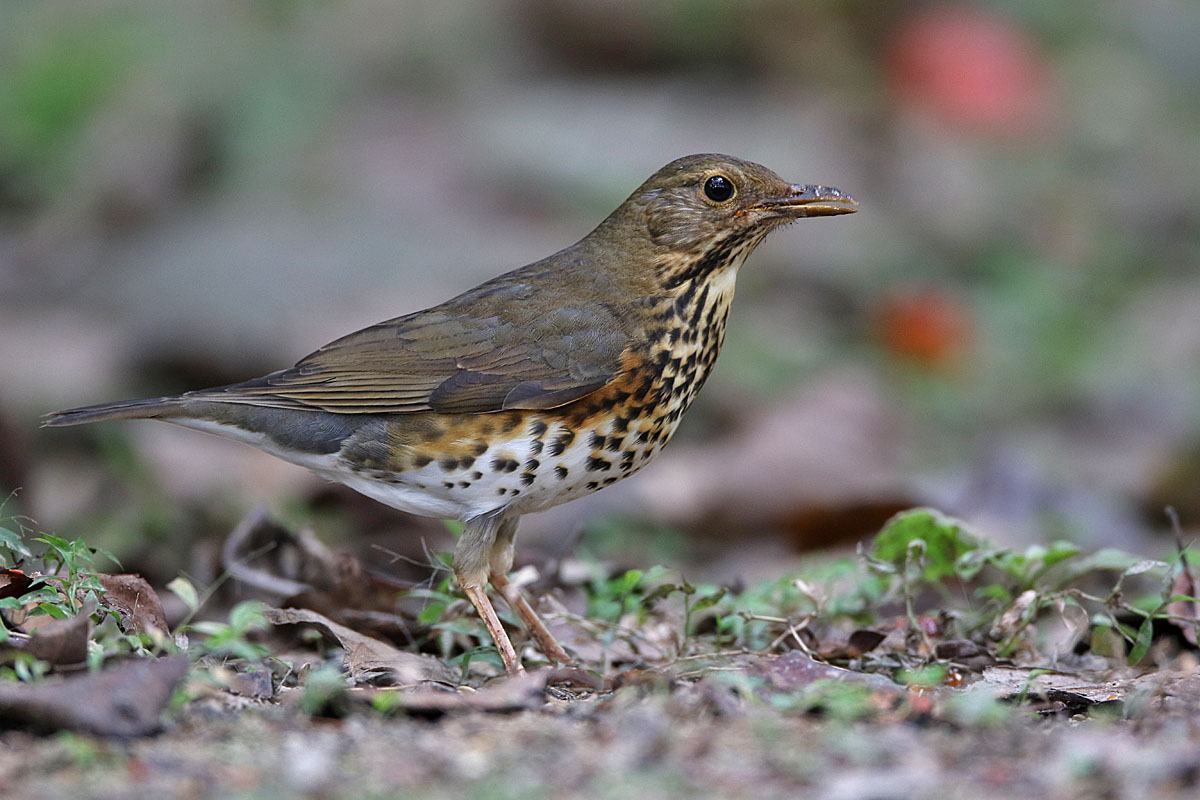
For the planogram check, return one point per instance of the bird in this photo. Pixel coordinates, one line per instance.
(542, 385)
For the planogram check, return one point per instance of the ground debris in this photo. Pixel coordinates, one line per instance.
(62, 643)
(135, 603)
(293, 568)
(795, 670)
(128, 700)
(14, 583)
(527, 692)
(365, 658)
(1075, 693)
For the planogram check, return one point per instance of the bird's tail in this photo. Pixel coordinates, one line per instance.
(148, 408)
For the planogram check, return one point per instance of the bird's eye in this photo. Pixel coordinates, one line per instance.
(718, 188)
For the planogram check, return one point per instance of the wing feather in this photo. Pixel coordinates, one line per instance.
(490, 349)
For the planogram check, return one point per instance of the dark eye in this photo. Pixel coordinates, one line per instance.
(718, 188)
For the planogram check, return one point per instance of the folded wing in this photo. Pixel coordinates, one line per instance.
(488, 350)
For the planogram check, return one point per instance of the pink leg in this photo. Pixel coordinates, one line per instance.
(483, 605)
(517, 602)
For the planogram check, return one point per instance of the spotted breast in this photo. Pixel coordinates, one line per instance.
(467, 465)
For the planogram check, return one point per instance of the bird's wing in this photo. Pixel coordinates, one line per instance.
(484, 351)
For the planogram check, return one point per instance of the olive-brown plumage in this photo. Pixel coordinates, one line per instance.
(536, 387)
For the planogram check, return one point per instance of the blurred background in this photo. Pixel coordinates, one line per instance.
(194, 194)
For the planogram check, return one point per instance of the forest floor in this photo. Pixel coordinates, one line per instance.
(932, 663)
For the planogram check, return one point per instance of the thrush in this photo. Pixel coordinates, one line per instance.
(539, 386)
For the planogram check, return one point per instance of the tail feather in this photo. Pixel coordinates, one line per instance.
(147, 408)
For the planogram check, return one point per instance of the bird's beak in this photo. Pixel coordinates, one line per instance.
(810, 201)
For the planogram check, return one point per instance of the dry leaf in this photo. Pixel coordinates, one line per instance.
(125, 701)
(367, 658)
(60, 642)
(134, 602)
(1076, 693)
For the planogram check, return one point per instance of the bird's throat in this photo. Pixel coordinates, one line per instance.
(720, 254)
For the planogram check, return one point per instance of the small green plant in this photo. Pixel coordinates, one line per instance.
(324, 692)
(68, 582)
(454, 631)
(25, 668)
(231, 639)
(610, 599)
(74, 563)
(923, 549)
(12, 547)
(844, 702)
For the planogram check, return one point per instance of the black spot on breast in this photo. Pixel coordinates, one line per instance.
(561, 472)
(527, 478)
(592, 486)
(684, 301)
(421, 460)
(448, 484)
(476, 475)
(504, 465)
(614, 443)
(597, 441)
(598, 464)
(560, 443)
(466, 462)
(620, 424)
(448, 464)
(535, 447)
(537, 428)
(698, 311)
(532, 465)
(480, 448)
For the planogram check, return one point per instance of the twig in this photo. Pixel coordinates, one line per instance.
(793, 630)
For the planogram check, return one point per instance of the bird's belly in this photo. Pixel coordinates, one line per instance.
(522, 461)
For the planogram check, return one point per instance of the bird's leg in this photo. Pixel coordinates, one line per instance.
(472, 557)
(517, 602)
(501, 563)
(479, 598)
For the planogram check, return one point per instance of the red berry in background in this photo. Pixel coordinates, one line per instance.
(972, 67)
(926, 326)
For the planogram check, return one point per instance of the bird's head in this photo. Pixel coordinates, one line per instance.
(697, 199)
